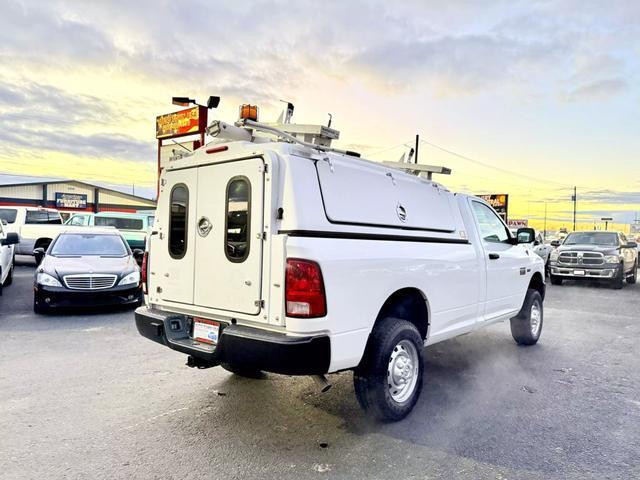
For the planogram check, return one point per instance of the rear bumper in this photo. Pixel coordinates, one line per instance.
(239, 345)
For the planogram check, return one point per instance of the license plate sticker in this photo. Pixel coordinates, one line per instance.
(578, 272)
(206, 331)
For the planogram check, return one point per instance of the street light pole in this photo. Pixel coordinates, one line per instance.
(575, 200)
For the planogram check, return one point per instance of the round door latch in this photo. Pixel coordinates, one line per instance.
(204, 226)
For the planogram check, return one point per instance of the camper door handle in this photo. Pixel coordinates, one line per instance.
(494, 256)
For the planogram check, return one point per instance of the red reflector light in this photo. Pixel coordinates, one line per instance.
(217, 149)
(304, 289)
(145, 265)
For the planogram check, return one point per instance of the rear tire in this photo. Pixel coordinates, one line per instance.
(555, 279)
(527, 325)
(631, 279)
(243, 371)
(388, 380)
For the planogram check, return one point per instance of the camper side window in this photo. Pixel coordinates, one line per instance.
(178, 217)
(237, 219)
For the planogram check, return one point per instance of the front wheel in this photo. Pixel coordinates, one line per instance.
(388, 380)
(632, 278)
(527, 325)
(618, 281)
(555, 279)
(9, 280)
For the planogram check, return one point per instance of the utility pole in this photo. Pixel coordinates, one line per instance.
(545, 220)
(575, 200)
(417, 142)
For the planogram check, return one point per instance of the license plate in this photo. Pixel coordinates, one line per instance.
(578, 272)
(206, 331)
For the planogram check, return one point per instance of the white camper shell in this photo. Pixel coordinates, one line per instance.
(276, 254)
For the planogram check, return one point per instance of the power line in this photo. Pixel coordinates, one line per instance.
(487, 165)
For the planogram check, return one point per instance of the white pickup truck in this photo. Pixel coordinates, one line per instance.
(274, 253)
(8, 240)
(35, 226)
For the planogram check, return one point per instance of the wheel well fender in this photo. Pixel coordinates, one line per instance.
(42, 242)
(408, 304)
(537, 283)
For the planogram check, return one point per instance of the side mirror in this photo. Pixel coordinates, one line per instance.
(536, 242)
(525, 235)
(39, 254)
(11, 239)
(555, 243)
(629, 245)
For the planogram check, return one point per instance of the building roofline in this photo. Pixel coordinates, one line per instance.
(70, 180)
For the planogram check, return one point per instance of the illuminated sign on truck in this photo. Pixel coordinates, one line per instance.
(185, 122)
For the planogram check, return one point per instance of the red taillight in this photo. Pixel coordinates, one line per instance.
(223, 148)
(145, 265)
(304, 289)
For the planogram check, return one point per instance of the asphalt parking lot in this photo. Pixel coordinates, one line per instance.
(82, 395)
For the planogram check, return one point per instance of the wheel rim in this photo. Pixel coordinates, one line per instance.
(403, 371)
(536, 317)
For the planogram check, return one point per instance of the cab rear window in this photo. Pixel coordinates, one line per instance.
(8, 214)
(42, 216)
(178, 218)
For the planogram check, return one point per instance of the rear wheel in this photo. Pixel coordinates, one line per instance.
(242, 371)
(388, 381)
(527, 325)
(632, 278)
(555, 279)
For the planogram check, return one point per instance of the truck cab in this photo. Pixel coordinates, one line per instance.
(272, 251)
(35, 226)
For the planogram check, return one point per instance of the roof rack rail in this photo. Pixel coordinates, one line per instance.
(251, 124)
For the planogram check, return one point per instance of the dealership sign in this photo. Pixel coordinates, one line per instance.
(185, 122)
(499, 202)
(71, 200)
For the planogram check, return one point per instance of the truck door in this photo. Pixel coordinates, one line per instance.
(172, 248)
(505, 278)
(229, 236)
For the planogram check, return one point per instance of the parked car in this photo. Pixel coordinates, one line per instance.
(538, 245)
(133, 226)
(291, 257)
(35, 226)
(596, 255)
(8, 240)
(86, 267)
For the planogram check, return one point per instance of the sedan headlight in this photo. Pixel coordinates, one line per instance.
(132, 278)
(47, 280)
(611, 259)
(554, 255)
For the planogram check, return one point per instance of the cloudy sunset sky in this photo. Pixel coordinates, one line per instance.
(524, 98)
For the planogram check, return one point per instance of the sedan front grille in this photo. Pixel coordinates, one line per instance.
(89, 281)
(581, 258)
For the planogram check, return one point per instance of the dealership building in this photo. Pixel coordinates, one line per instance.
(68, 195)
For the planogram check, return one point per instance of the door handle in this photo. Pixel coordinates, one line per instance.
(494, 256)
